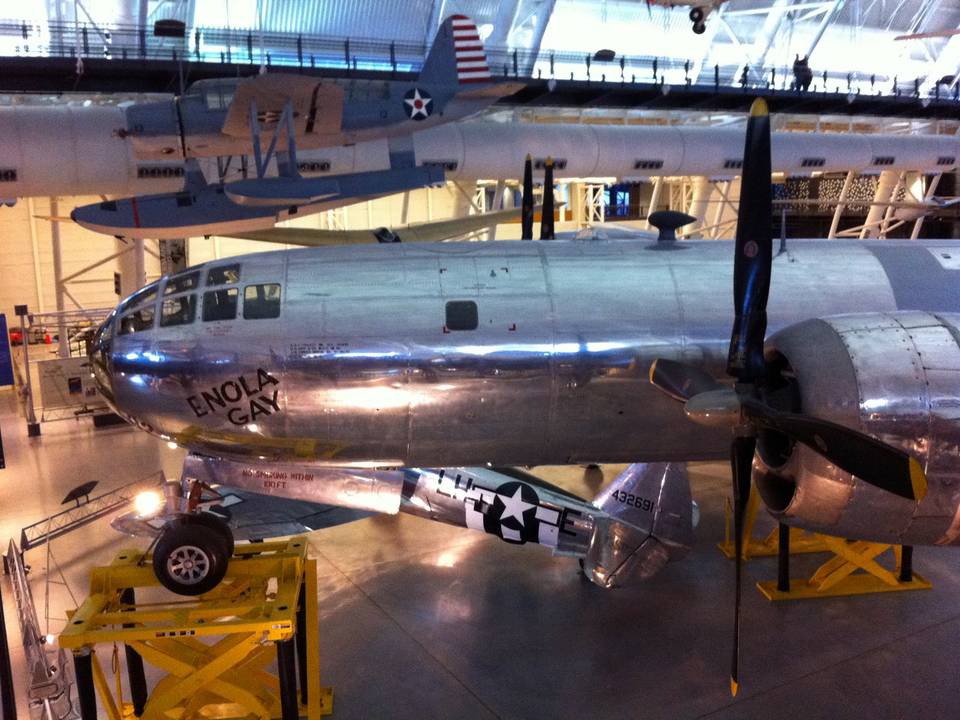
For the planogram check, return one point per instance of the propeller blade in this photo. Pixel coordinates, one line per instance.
(526, 201)
(679, 381)
(741, 466)
(869, 459)
(753, 251)
(546, 214)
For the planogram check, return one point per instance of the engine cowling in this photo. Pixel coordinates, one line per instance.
(892, 375)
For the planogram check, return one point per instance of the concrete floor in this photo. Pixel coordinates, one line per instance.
(420, 620)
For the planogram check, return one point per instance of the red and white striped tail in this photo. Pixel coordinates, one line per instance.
(471, 60)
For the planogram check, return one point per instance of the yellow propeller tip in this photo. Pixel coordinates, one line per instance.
(734, 686)
(529, 157)
(759, 108)
(653, 369)
(918, 480)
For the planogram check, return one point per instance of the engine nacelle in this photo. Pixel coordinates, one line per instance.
(648, 520)
(892, 375)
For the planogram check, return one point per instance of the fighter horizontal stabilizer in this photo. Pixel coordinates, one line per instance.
(436, 231)
(317, 106)
(303, 191)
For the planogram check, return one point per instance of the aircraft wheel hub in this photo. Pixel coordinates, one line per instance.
(189, 564)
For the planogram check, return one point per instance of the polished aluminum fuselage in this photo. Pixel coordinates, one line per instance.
(360, 368)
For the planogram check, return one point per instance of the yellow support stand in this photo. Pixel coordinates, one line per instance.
(839, 576)
(215, 649)
(801, 541)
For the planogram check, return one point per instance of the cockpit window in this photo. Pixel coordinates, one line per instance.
(220, 304)
(223, 275)
(261, 302)
(136, 321)
(147, 295)
(178, 310)
(182, 283)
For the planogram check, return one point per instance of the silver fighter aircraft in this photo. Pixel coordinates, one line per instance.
(401, 377)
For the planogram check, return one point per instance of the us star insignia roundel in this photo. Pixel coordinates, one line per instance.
(418, 104)
(513, 515)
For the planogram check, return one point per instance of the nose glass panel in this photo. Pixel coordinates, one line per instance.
(100, 356)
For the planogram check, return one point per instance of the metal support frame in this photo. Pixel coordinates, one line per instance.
(853, 570)
(8, 703)
(592, 206)
(245, 633)
(841, 203)
(44, 679)
(887, 186)
(286, 162)
(33, 427)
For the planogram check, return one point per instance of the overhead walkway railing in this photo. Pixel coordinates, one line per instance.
(239, 47)
(85, 511)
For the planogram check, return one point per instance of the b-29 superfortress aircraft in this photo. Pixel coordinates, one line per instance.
(403, 377)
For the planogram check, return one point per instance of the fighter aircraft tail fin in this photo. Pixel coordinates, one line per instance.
(457, 55)
(648, 520)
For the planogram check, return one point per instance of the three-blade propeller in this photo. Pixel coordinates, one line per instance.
(742, 406)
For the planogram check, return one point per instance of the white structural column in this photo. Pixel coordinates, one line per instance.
(131, 263)
(886, 187)
(702, 190)
(931, 190)
(139, 264)
(841, 204)
(63, 344)
(654, 199)
(35, 254)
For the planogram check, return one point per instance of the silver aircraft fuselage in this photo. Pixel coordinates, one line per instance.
(361, 361)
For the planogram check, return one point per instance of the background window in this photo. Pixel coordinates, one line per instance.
(462, 315)
(141, 319)
(223, 275)
(178, 311)
(261, 301)
(181, 283)
(220, 304)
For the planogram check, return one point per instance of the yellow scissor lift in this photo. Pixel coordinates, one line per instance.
(215, 649)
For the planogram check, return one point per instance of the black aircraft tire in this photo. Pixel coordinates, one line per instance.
(696, 16)
(190, 558)
(214, 523)
(699, 28)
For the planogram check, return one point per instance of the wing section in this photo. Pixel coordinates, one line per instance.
(252, 516)
(417, 232)
(317, 106)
